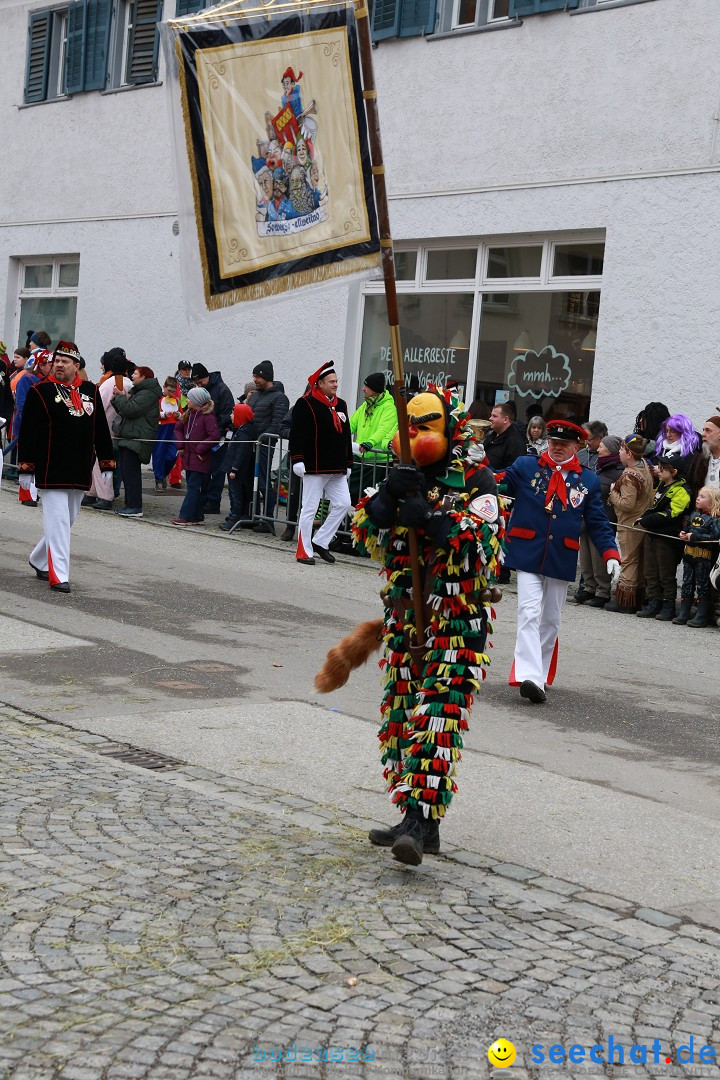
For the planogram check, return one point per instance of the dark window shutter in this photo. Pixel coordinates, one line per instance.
(143, 44)
(520, 8)
(385, 19)
(38, 56)
(188, 7)
(98, 19)
(75, 54)
(417, 17)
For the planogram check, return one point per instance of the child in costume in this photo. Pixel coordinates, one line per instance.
(450, 499)
(164, 453)
(698, 558)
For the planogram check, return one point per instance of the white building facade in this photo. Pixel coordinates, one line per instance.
(553, 168)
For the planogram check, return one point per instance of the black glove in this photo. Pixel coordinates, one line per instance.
(415, 512)
(404, 480)
(366, 447)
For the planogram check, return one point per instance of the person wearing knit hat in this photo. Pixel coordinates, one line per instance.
(240, 467)
(321, 453)
(372, 426)
(63, 430)
(630, 496)
(711, 440)
(554, 496)
(265, 372)
(223, 400)
(596, 579)
(196, 433)
(663, 522)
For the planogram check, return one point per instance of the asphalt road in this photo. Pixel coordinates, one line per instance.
(205, 647)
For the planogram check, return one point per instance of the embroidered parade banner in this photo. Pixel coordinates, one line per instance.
(275, 136)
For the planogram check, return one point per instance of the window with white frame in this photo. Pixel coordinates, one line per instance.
(512, 319)
(91, 45)
(47, 298)
(478, 12)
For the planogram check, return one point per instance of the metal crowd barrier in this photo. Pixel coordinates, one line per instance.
(273, 473)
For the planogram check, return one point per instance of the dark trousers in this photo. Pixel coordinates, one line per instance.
(198, 485)
(661, 561)
(265, 485)
(132, 480)
(240, 489)
(217, 478)
(696, 577)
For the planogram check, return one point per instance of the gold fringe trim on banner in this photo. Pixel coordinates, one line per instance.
(276, 286)
(191, 164)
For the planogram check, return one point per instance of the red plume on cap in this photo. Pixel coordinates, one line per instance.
(290, 74)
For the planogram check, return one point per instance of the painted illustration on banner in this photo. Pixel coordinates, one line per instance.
(292, 193)
(540, 374)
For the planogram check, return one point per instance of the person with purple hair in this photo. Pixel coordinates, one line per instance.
(678, 438)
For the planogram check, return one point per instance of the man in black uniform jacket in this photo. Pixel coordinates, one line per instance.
(321, 453)
(63, 430)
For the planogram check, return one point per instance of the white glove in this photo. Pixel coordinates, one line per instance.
(613, 568)
(106, 476)
(348, 473)
(27, 480)
(299, 468)
(356, 448)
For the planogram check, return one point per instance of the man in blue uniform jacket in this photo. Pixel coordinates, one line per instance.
(553, 496)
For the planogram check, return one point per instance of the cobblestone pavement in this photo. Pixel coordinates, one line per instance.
(177, 924)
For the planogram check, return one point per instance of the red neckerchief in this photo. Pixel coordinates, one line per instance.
(556, 486)
(332, 406)
(75, 398)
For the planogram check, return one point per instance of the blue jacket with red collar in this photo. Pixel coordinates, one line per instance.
(547, 541)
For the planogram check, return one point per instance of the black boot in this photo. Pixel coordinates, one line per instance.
(667, 611)
(408, 847)
(387, 837)
(702, 615)
(684, 611)
(651, 609)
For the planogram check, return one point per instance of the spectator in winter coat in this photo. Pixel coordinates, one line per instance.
(269, 404)
(596, 432)
(240, 467)
(596, 579)
(139, 411)
(372, 426)
(504, 444)
(630, 496)
(115, 374)
(224, 402)
(196, 433)
(537, 442)
(660, 551)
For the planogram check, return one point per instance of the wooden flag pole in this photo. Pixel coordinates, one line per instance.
(388, 266)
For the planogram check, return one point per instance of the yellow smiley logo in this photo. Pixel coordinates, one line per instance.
(501, 1054)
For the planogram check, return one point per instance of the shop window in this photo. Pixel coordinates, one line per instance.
(453, 264)
(84, 47)
(435, 335)
(48, 297)
(539, 352)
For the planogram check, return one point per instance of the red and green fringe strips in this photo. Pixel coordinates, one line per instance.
(426, 710)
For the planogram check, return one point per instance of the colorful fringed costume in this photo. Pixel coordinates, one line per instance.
(429, 687)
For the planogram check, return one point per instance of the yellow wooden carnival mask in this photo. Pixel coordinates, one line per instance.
(428, 430)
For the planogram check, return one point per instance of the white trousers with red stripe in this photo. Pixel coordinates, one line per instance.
(60, 507)
(540, 604)
(315, 487)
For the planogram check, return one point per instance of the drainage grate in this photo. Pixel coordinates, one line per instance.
(144, 759)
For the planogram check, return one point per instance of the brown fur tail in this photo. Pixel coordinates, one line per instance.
(350, 653)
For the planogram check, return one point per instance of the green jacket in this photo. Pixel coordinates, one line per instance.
(667, 511)
(141, 414)
(375, 422)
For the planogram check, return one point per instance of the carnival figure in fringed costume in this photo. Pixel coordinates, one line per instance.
(449, 497)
